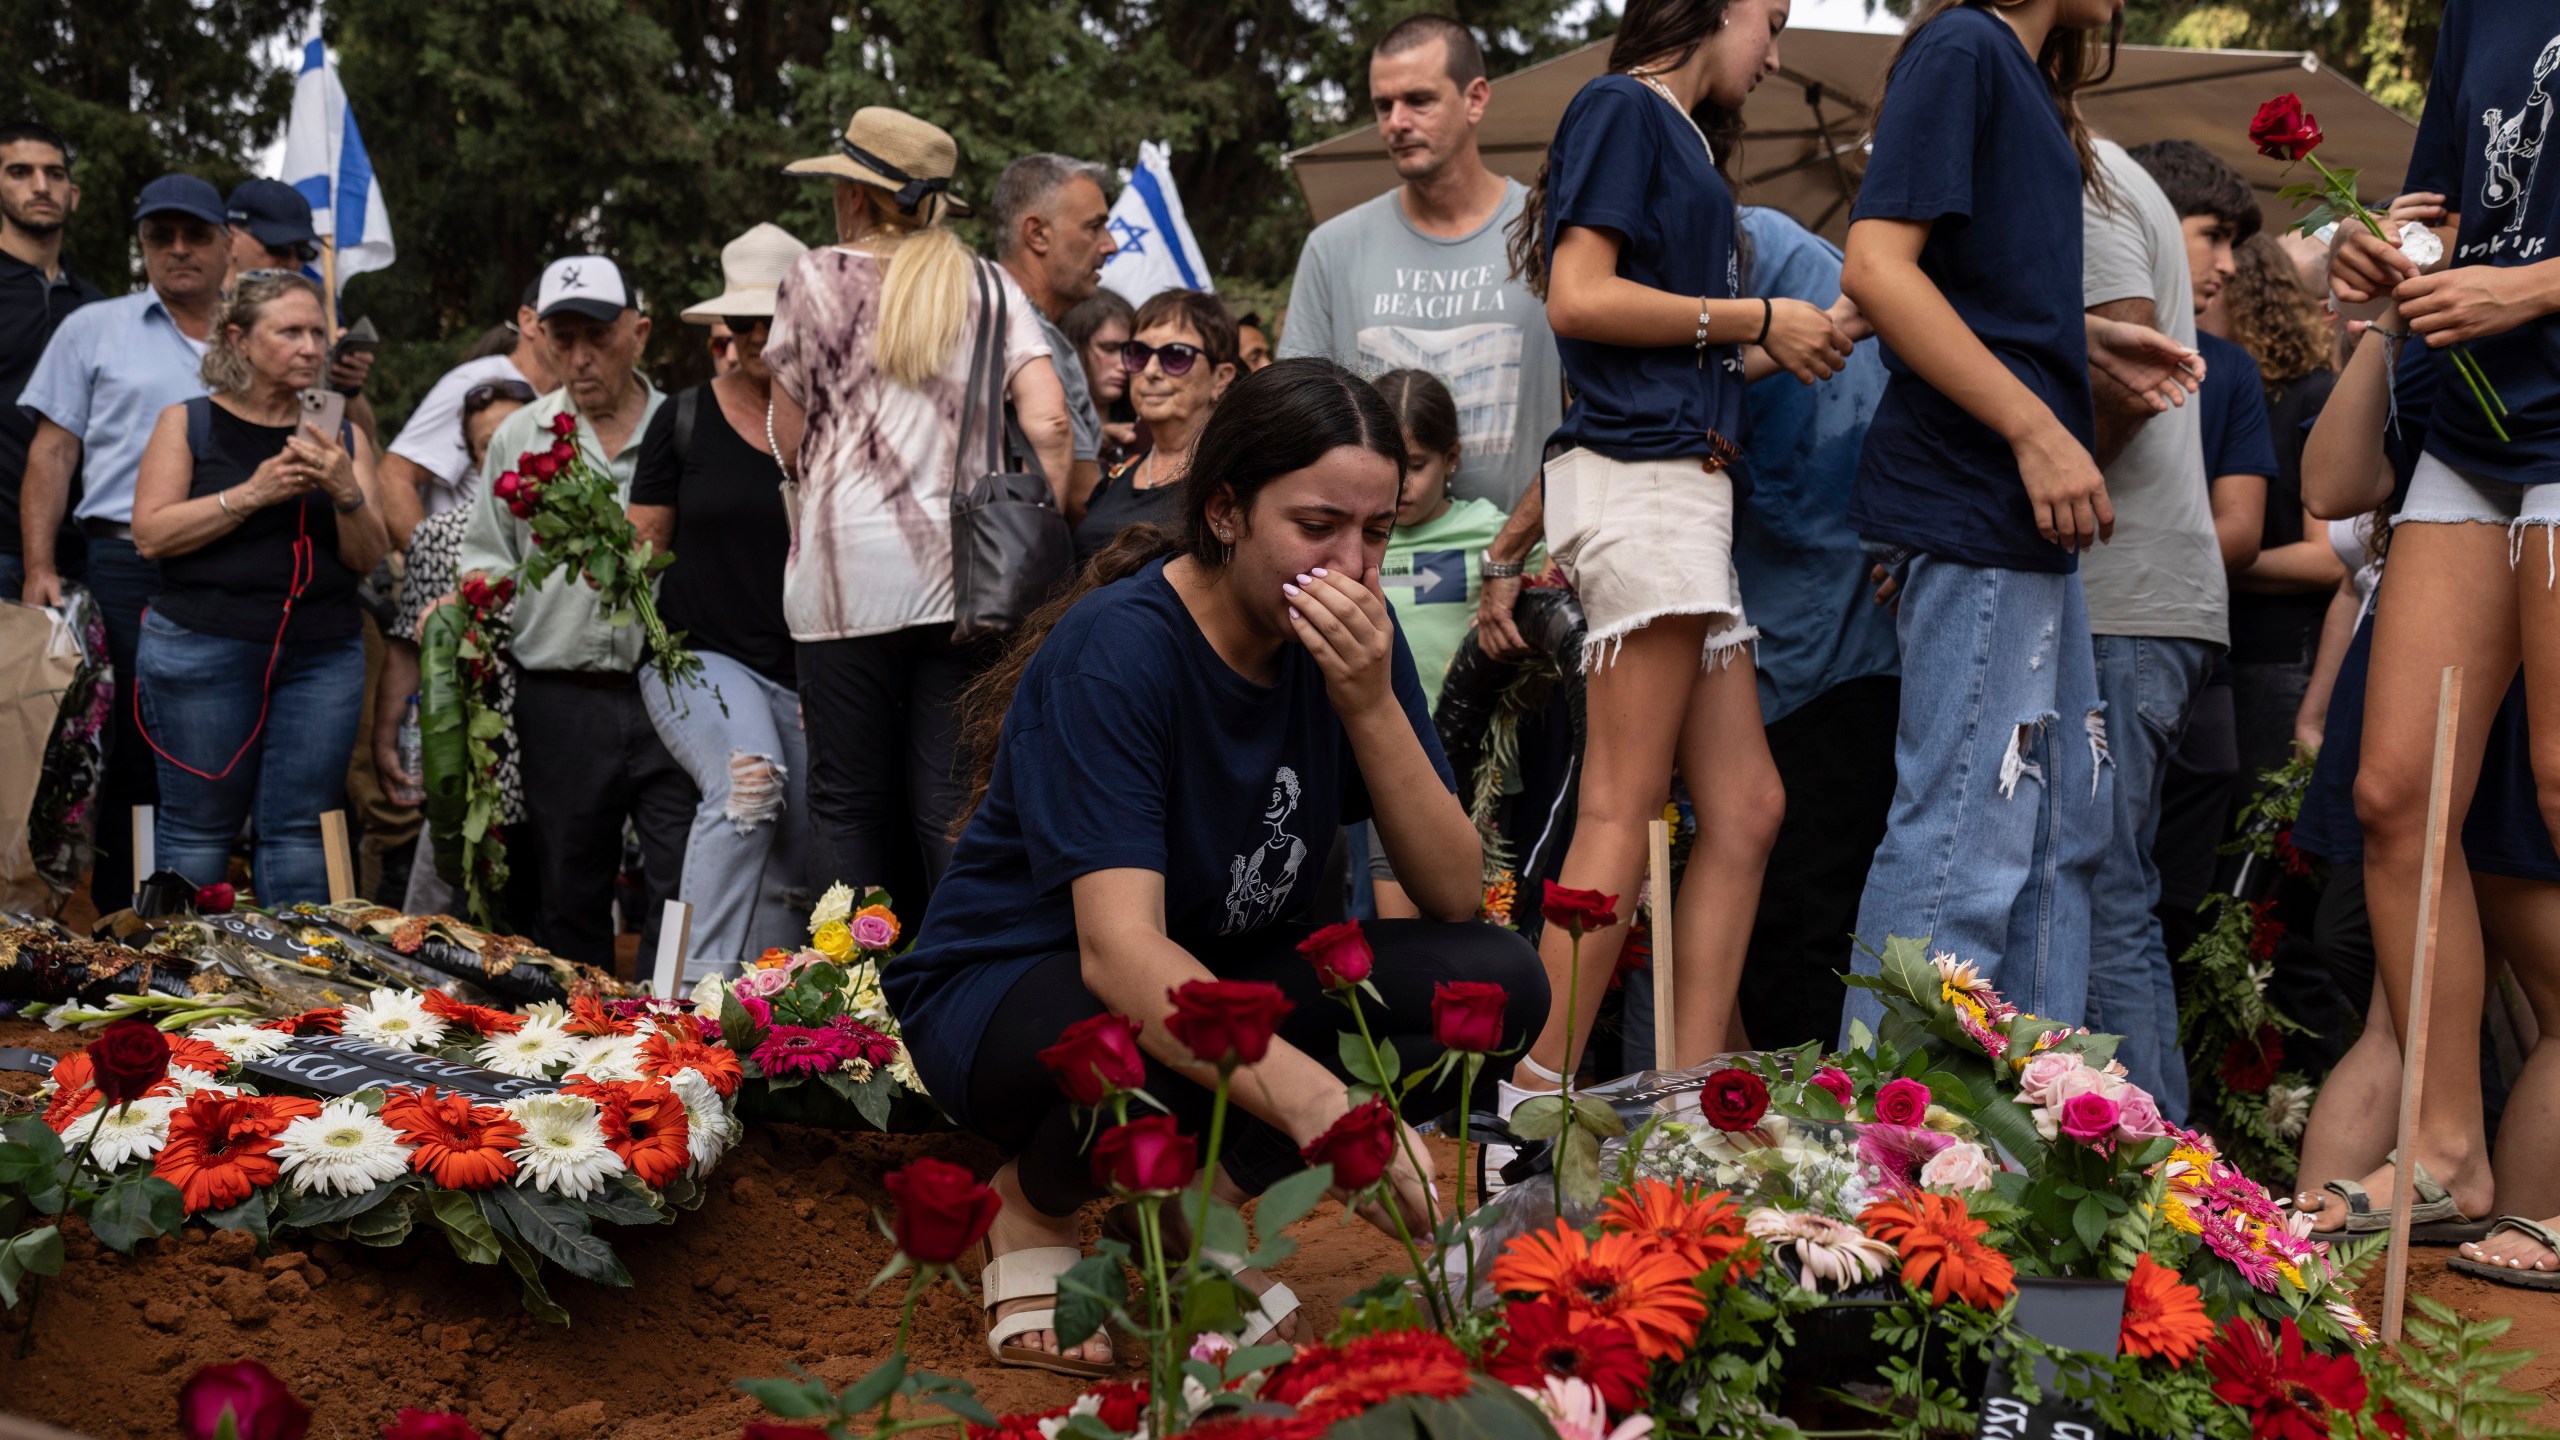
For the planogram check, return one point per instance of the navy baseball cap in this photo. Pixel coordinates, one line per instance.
(181, 195)
(276, 214)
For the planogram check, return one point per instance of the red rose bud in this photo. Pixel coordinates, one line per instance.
(260, 1406)
(216, 899)
(2283, 130)
(1149, 1155)
(564, 423)
(1466, 1015)
(1359, 1146)
(1227, 1022)
(1902, 1102)
(1097, 1057)
(522, 509)
(943, 1210)
(1734, 1099)
(128, 1059)
(564, 450)
(1579, 911)
(1340, 954)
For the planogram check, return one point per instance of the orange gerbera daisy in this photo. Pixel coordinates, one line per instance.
(587, 1016)
(1942, 1249)
(221, 1147)
(197, 1054)
(460, 1146)
(1702, 1229)
(323, 1020)
(1647, 1288)
(473, 1017)
(643, 1123)
(2163, 1316)
(671, 1052)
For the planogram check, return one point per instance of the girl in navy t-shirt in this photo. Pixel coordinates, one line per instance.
(1168, 758)
(1977, 489)
(2472, 569)
(1630, 237)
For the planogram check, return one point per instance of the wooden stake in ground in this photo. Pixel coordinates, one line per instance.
(2413, 1045)
(1658, 899)
(146, 847)
(675, 927)
(333, 846)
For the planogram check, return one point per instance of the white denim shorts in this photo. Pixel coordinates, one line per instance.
(1642, 539)
(2442, 495)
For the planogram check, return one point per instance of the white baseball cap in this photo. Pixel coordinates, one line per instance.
(588, 285)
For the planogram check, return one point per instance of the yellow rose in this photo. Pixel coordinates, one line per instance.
(833, 940)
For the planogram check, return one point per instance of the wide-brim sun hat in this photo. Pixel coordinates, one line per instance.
(912, 159)
(750, 267)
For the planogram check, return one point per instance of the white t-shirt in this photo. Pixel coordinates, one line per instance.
(432, 440)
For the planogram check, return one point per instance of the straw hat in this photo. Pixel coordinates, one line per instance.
(751, 266)
(912, 159)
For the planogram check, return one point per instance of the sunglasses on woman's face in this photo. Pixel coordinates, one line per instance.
(1176, 358)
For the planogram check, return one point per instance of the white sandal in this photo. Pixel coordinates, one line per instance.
(1023, 1275)
(1272, 1310)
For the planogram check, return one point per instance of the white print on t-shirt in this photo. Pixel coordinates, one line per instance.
(1479, 363)
(1253, 901)
(2515, 144)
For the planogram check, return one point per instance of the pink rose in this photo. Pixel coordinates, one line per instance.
(2138, 1115)
(1837, 1081)
(2036, 1082)
(1902, 1102)
(764, 983)
(2089, 1117)
(1961, 1166)
(757, 1010)
(873, 932)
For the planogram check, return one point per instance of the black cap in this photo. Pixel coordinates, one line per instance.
(181, 195)
(277, 215)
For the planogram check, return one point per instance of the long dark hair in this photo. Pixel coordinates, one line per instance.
(2070, 63)
(1658, 34)
(1274, 422)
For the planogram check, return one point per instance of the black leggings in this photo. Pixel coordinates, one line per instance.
(886, 776)
(1016, 1101)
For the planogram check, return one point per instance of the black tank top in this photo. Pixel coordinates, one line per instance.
(235, 587)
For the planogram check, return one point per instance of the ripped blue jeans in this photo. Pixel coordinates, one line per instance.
(2004, 800)
(745, 857)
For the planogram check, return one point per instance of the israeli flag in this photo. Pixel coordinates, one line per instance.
(325, 159)
(1157, 251)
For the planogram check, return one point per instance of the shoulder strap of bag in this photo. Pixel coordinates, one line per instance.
(990, 378)
(688, 405)
(980, 363)
(200, 426)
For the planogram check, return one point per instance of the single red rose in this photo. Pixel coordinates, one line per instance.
(128, 1059)
(1580, 911)
(216, 899)
(1734, 1099)
(542, 466)
(2283, 130)
(1902, 1102)
(564, 450)
(260, 1406)
(522, 509)
(1466, 1015)
(415, 1424)
(1340, 954)
(1145, 1155)
(1359, 1146)
(564, 423)
(508, 484)
(943, 1210)
(1227, 1022)
(1837, 1081)
(1096, 1058)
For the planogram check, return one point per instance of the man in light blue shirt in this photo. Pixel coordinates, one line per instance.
(105, 377)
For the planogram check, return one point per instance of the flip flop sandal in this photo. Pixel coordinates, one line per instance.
(1277, 1303)
(2433, 1220)
(2499, 1273)
(1023, 1275)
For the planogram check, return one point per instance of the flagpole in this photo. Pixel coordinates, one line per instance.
(329, 288)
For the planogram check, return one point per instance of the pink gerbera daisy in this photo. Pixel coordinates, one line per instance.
(2227, 1240)
(802, 1050)
(866, 1044)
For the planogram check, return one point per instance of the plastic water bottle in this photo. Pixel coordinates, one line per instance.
(413, 750)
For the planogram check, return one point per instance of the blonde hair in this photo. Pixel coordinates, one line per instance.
(226, 370)
(924, 291)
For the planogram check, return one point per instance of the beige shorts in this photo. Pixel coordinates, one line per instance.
(1641, 539)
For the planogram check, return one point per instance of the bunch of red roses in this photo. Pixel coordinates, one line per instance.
(579, 522)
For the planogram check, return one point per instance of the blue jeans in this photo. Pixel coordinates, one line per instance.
(746, 858)
(2002, 800)
(122, 580)
(201, 696)
(2154, 681)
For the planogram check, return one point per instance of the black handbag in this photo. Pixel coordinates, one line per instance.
(1010, 546)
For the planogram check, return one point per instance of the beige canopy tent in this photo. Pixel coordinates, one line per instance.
(1802, 152)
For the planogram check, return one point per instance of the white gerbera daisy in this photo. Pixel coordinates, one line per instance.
(709, 1127)
(608, 1057)
(124, 1132)
(2288, 1109)
(834, 908)
(243, 1041)
(903, 1070)
(564, 1150)
(343, 1150)
(1826, 1249)
(189, 1080)
(397, 1019)
(531, 1052)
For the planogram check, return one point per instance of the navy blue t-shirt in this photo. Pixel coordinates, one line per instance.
(1131, 745)
(1626, 159)
(2481, 143)
(1969, 141)
(2234, 412)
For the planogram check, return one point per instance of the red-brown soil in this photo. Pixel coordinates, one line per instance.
(770, 1271)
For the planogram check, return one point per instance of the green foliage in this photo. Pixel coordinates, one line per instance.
(2448, 1380)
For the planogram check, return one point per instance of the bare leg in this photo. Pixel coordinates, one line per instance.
(2355, 1114)
(2524, 925)
(1724, 757)
(1021, 1226)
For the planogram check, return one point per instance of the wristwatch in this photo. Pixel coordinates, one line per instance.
(345, 508)
(1502, 569)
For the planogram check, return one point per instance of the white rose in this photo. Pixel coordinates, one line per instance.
(1961, 1166)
